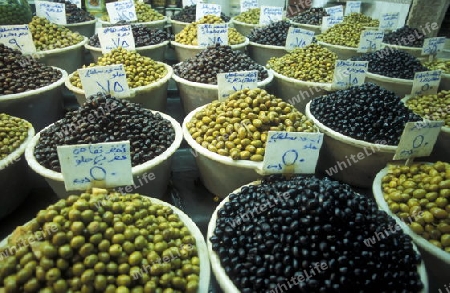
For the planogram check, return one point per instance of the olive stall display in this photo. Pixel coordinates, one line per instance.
(246, 21)
(186, 16)
(310, 19)
(407, 39)
(367, 121)
(15, 12)
(147, 79)
(102, 241)
(309, 235)
(78, 20)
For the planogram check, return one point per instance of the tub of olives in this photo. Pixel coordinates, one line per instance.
(242, 27)
(401, 87)
(415, 51)
(160, 23)
(343, 52)
(442, 64)
(177, 26)
(262, 53)
(317, 29)
(85, 28)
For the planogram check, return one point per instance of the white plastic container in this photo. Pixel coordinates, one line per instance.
(177, 26)
(416, 52)
(86, 28)
(343, 52)
(242, 27)
(151, 24)
(156, 52)
(317, 29)
(262, 53)
(159, 166)
(401, 87)
(152, 96)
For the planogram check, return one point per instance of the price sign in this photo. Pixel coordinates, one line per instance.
(294, 151)
(349, 73)
(211, 34)
(330, 21)
(54, 12)
(418, 139)
(85, 165)
(231, 82)
(17, 37)
(370, 41)
(76, 2)
(432, 46)
(116, 36)
(352, 7)
(203, 9)
(189, 2)
(248, 4)
(426, 82)
(110, 79)
(298, 38)
(121, 10)
(270, 14)
(389, 21)
(335, 11)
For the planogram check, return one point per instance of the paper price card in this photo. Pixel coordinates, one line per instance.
(330, 21)
(293, 152)
(189, 2)
(17, 37)
(352, 7)
(76, 2)
(54, 12)
(335, 10)
(110, 79)
(103, 164)
(418, 139)
(270, 14)
(426, 82)
(121, 10)
(349, 73)
(298, 38)
(370, 41)
(389, 21)
(248, 4)
(211, 34)
(432, 46)
(203, 9)
(116, 36)
(231, 82)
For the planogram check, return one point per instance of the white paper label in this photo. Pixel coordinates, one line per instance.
(426, 82)
(110, 79)
(248, 4)
(335, 10)
(389, 21)
(352, 7)
(203, 9)
(76, 2)
(231, 82)
(122, 10)
(17, 37)
(116, 36)
(54, 12)
(189, 2)
(370, 41)
(330, 21)
(107, 163)
(211, 34)
(298, 38)
(292, 152)
(418, 139)
(349, 73)
(270, 14)
(432, 46)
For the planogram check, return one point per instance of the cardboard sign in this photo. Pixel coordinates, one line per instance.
(116, 36)
(370, 41)
(432, 46)
(293, 152)
(426, 82)
(298, 38)
(248, 4)
(203, 9)
(335, 11)
(54, 12)
(211, 34)
(231, 82)
(76, 2)
(349, 73)
(330, 21)
(17, 37)
(270, 14)
(110, 79)
(352, 7)
(418, 139)
(389, 21)
(121, 10)
(85, 165)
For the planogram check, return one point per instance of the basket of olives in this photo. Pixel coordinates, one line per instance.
(145, 14)
(247, 21)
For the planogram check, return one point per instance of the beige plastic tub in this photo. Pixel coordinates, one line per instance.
(177, 26)
(416, 52)
(262, 53)
(86, 28)
(156, 52)
(242, 27)
(401, 87)
(151, 24)
(343, 52)
(317, 29)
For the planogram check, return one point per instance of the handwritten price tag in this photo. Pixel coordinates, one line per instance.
(211, 34)
(231, 82)
(110, 79)
(330, 21)
(352, 7)
(121, 10)
(189, 2)
(248, 4)
(432, 46)
(203, 9)
(85, 165)
(298, 38)
(294, 151)
(17, 37)
(389, 21)
(116, 36)
(426, 82)
(370, 41)
(349, 73)
(335, 10)
(76, 2)
(54, 12)
(418, 139)
(270, 14)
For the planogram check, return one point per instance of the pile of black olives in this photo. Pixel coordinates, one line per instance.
(143, 36)
(75, 14)
(187, 14)
(405, 36)
(274, 34)
(311, 16)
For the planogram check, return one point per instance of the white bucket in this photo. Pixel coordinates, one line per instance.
(416, 52)
(343, 52)
(317, 29)
(262, 53)
(177, 26)
(86, 28)
(242, 27)
(151, 24)
(401, 87)
(156, 52)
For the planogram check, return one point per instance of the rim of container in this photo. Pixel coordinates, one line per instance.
(60, 50)
(56, 84)
(237, 46)
(343, 138)
(273, 47)
(233, 19)
(401, 47)
(9, 159)
(174, 21)
(133, 91)
(305, 24)
(81, 23)
(326, 86)
(57, 176)
(422, 242)
(444, 128)
(137, 49)
(389, 79)
(338, 46)
(137, 23)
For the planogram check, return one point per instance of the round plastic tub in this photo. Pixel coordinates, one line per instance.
(86, 28)
(416, 52)
(436, 260)
(401, 87)
(159, 166)
(13, 168)
(156, 52)
(317, 29)
(152, 96)
(40, 106)
(338, 152)
(195, 94)
(343, 52)
(151, 24)
(225, 282)
(177, 26)
(242, 27)
(445, 82)
(184, 52)
(262, 53)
